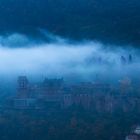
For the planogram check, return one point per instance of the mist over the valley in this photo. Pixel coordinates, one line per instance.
(75, 61)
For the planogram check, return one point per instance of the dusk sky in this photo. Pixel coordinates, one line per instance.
(115, 21)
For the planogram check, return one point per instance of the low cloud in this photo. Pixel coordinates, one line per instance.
(86, 60)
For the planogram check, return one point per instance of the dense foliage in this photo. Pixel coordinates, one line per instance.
(69, 124)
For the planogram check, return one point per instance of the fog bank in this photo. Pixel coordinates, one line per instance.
(85, 60)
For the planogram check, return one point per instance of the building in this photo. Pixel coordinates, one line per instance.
(29, 95)
(67, 100)
(27, 103)
(135, 135)
(23, 87)
(132, 136)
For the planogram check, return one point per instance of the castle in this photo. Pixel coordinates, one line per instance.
(54, 93)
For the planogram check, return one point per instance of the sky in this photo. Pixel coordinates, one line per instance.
(115, 22)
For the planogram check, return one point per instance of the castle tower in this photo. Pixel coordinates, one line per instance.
(23, 86)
